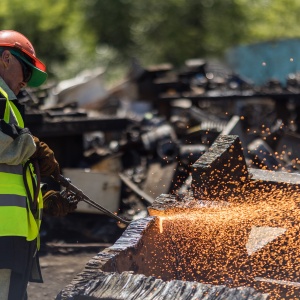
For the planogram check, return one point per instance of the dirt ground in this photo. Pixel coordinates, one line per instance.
(67, 245)
(58, 270)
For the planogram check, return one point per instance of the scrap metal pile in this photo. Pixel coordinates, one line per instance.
(149, 147)
(211, 158)
(235, 236)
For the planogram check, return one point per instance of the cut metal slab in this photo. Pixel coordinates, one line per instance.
(127, 286)
(118, 273)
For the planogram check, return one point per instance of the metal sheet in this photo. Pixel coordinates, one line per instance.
(102, 187)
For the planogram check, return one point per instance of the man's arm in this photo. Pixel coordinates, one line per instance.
(16, 144)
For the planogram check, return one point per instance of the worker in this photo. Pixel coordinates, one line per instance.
(24, 159)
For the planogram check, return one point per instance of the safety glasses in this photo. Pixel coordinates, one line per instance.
(25, 69)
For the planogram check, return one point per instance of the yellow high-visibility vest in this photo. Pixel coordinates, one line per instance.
(17, 191)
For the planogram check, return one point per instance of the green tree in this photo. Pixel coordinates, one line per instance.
(272, 19)
(188, 29)
(39, 26)
(70, 36)
(56, 29)
(110, 21)
(158, 31)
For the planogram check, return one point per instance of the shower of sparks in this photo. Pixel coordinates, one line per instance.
(247, 236)
(232, 244)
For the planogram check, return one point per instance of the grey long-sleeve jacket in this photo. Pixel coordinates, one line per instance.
(16, 146)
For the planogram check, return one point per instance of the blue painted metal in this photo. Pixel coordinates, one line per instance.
(262, 61)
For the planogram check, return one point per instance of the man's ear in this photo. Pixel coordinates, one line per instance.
(6, 58)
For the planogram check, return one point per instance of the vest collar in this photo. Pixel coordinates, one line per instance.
(10, 93)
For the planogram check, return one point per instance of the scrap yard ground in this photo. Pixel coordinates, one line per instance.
(58, 271)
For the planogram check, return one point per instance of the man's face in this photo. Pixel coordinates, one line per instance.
(12, 72)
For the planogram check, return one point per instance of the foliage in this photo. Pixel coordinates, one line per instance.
(70, 36)
(44, 24)
(273, 19)
(177, 29)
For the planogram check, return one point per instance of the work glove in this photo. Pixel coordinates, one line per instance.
(56, 205)
(48, 165)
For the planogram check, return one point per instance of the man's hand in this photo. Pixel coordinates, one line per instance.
(56, 205)
(45, 157)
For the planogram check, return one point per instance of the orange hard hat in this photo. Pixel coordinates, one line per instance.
(21, 47)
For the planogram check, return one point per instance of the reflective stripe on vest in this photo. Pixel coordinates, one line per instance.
(12, 200)
(11, 169)
(11, 113)
(16, 217)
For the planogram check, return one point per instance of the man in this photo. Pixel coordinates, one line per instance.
(23, 160)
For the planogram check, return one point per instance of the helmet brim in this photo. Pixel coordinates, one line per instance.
(38, 77)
